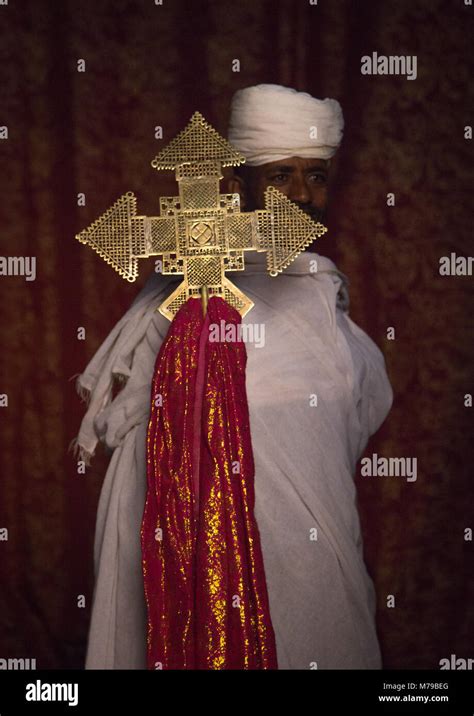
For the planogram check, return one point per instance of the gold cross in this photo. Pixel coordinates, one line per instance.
(201, 233)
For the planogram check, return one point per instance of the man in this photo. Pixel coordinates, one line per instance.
(267, 124)
(317, 389)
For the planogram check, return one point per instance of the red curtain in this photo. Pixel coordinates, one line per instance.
(93, 132)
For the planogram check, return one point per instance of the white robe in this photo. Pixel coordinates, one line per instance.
(322, 599)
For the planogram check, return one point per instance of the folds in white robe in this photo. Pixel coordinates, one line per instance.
(317, 389)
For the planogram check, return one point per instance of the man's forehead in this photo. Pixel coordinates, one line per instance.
(292, 163)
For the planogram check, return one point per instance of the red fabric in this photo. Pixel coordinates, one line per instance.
(202, 563)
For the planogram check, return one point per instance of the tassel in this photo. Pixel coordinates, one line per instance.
(79, 452)
(83, 393)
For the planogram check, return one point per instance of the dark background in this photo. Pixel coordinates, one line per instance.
(93, 132)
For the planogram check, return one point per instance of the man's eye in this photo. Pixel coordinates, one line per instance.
(280, 178)
(319, 178)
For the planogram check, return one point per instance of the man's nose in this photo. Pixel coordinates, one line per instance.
(299, 191)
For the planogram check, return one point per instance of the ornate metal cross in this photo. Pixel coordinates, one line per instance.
(201, 233)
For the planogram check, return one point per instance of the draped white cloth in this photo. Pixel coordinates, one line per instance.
(317, 390)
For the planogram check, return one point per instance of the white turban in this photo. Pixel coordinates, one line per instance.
(271, 122)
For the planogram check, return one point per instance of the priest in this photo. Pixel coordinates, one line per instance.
(317, 389)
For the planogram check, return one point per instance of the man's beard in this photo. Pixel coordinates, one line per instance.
(313, 212)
